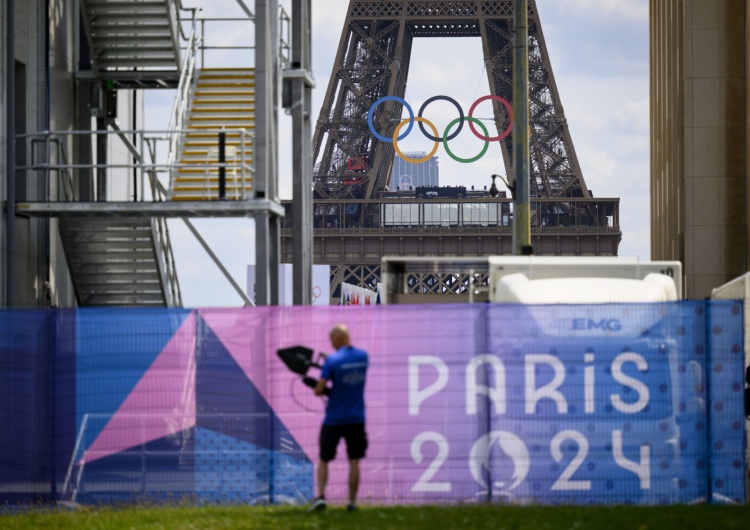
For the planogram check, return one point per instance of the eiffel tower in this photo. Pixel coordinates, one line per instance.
(354, 222)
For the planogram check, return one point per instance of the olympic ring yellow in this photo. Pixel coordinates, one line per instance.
(415, 160)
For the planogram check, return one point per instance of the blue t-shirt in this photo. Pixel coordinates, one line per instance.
(347, 369)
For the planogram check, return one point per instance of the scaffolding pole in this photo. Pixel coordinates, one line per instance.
(521, 204)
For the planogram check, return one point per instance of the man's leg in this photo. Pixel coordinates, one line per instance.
(329, 439)
(353, 480)
(319, 503)
(356, 446)
(322, 478)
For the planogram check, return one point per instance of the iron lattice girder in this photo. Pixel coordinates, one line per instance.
(435, 283)
(373, 62)
(366, 276)
(365, 73)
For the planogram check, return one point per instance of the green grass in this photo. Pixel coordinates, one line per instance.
(382, 518)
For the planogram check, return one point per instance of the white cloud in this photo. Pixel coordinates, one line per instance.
(634, 114)
(598, 163)
(633, 9)
(328, 18)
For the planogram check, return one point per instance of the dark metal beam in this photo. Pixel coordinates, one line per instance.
(10, 150)
(299, 79)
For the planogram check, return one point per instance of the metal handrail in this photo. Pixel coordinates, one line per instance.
(163, 244)
(203, 46)
(179, 106)
(66, 179)
(285, 40)
(146, 165)
(180, 7)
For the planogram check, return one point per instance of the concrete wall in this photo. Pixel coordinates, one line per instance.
(699, 143)
(39, 267)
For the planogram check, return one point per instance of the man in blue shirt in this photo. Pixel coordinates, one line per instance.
(346, 368)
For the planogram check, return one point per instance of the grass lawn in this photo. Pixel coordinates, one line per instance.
(367, 517)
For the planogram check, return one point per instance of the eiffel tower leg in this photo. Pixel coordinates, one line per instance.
(555, 171)
(372, 62)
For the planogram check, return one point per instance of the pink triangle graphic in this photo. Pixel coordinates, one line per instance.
(253, 335)
(238, 331)
(161, 404)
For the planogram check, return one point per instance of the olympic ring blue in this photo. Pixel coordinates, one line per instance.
(372, 111)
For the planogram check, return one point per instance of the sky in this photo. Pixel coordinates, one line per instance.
(599, 55)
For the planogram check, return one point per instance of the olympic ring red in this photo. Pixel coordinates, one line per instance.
(507, 130)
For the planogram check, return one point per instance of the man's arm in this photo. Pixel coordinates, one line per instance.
(320, 388)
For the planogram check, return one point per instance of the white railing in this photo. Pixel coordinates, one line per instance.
(163, 244)
(179, 106)
(119, 168)
(132, 473)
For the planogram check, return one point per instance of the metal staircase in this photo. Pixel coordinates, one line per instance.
(219, 99)
(127, 261)
(140, 34)
(120, 262)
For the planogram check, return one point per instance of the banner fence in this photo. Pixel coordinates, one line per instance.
(582, 404)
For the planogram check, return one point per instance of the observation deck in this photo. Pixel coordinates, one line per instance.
(362, 232)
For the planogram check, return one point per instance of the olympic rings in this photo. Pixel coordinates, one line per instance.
(446, 134)
(465, 160)
(372, 111)
(500, 136)
(460, 114)
(415, 160)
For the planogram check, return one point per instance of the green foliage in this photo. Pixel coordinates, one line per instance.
(385, 518)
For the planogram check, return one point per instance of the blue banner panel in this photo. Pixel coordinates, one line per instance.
(114, 348)
(607, 404)
(723, 461)
(25, 439)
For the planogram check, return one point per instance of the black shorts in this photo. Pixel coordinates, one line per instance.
(354, 434)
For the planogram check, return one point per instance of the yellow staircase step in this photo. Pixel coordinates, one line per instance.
(238, 102)
(208, 171)
(219, 118)
(212, 157)
(213, 126)
(234, 108)
(223, 70)
(222, 77)
(225, 84)
(234, 134)
(201, 198)
(212, 140)
(214, 189)
(208, 93)
(202, 179)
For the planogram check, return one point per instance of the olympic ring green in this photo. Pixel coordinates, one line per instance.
(465, 160)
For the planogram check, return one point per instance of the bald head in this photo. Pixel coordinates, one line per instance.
(339, 336)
